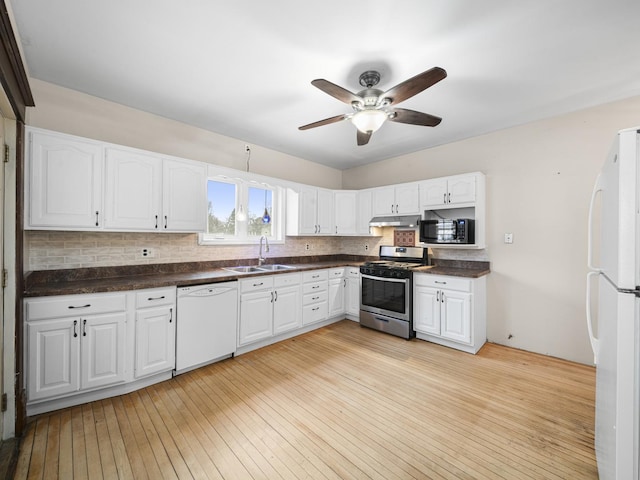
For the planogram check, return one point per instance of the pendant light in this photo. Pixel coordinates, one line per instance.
(266, 218)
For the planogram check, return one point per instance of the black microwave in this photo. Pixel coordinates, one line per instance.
(446, 230)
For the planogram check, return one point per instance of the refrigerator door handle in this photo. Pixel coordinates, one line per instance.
(596, 189)
(594, 341)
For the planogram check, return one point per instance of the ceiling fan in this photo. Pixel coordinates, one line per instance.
(371, 107)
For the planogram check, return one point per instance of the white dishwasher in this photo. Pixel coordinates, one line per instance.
(206, 323)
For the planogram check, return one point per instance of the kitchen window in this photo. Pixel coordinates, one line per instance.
(240, 212)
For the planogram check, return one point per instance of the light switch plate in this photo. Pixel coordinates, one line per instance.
(508, 238)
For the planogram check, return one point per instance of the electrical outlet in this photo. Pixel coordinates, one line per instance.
(508, 238)
(146, 253)
(307, 246)
(247, 148)
(366, 247)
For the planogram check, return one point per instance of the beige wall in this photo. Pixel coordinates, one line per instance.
(539, 180)
(68, 111)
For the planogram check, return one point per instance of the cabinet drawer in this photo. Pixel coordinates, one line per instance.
(336, 273)
(314, 313)
(287, 279)
(444, 282)
(256, 283)
(155, 297)
(314, 287)
(73, 305)
(352, 272)
(317, 297)
(314, 276)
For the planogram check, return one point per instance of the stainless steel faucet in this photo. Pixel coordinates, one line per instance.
(266, 249)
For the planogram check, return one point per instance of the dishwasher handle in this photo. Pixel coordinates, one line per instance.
(205, 291)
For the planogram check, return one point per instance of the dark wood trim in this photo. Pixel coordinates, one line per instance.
(21, 400)
(12, 74)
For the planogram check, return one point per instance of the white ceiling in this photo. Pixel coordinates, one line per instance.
(243, 68)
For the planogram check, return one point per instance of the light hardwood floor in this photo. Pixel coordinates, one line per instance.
(340, 402)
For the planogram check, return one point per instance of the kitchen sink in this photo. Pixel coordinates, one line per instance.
(244, 269)
(274, 268)
(257, 269)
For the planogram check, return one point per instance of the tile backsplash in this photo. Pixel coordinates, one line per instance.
(52, 250)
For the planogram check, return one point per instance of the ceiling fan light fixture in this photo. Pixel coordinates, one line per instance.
(368, 120)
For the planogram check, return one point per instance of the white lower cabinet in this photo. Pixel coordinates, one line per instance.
(337, 291)
(352, 294)
(85, 347)
(287, 303)
(315, 296)
(269, 305)
(155, 331)
(74, 343)
(450, 310)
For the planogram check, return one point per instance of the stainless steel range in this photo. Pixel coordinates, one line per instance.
(386, 292)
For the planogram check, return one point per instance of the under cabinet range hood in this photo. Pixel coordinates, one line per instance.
(410, 221)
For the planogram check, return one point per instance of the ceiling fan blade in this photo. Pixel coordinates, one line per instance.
(326, 121)
(414, 85)
(402, 115)
(363, 137)
(336, 91)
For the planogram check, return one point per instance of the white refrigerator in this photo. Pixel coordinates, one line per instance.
(614, 330)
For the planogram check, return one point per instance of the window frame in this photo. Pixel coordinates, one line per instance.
(242, 198)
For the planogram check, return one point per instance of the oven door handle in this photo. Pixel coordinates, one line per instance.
(385, 279)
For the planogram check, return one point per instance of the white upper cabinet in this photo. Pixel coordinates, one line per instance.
(457, 196)
(325, 212)
(448, 191)
(147, 192)
(310, 211)
(133, 190)
(64, 182)
(184, 196)
(396, 200)
(78, 184)
(364, 212)
(345, 207)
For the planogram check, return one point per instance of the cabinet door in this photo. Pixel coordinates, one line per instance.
(256, 316)
(345, 213)
(462, 189)
(352, 299)
(308, 211)
(456, 316)
(407, 199)
(102, 350)
(65, 182)
(364, 212)
(184, 197)
(337, 288)
(433, 193)
(325, 221)
(384, 201)
(53, 366)
(155, 340)
(426, 312)
(287, 311)
(133, 190)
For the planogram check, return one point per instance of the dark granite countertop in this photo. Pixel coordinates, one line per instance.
(457, 268)
(115, 279)
(42, 283)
